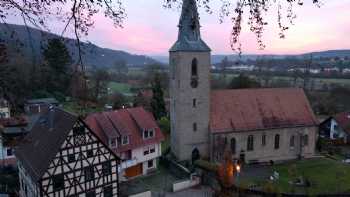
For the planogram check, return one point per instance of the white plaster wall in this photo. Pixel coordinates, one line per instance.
(138, 153)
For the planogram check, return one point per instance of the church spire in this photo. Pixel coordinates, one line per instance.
(189, 38)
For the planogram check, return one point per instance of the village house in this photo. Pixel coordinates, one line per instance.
(257, 125)
(133, 134)
(12, 131)
(336, 127)
(61, 156)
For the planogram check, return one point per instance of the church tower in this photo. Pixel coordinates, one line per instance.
(189, 88)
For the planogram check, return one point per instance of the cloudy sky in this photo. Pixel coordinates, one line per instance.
(150, 29)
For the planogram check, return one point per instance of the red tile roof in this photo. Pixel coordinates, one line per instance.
(255, 109)
(343, 120)
(125, 122)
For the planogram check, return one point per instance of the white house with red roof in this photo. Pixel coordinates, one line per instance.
(133, 135)
(336, 127)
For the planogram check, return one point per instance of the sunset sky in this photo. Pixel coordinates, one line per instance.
(150, 29)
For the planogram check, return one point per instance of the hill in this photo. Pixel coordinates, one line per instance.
(27, 44)
(219, 57)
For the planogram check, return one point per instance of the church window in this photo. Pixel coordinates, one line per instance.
(194, 126)
(305, 140)
(194, 73)
(233, 145)
(277, 141)
(250, 143)
(194, 103)
(292, 141)
(263, 140)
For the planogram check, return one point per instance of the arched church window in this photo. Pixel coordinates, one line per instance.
(194, 73)
(233, 145)
(277, 141)
(250, 143)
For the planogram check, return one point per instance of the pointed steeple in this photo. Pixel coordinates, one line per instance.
(189, 38)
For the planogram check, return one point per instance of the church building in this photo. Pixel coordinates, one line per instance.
(256, 125)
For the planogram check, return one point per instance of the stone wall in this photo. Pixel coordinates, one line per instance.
(267, 152)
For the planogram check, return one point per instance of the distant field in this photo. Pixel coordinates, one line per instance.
(122, 88)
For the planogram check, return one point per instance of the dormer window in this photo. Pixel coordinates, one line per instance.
(148, 133)
(113, 142)
(125, 140)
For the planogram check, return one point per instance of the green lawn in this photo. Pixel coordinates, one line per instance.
(120, 87)
(326, 176)
(75, 108)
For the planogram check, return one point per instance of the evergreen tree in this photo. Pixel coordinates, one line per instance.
(157, 102)
(56, 69)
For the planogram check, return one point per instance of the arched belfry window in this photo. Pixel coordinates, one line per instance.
(194, 70)
(194, 73)
(233, 145)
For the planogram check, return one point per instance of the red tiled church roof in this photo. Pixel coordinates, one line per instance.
(125, 122)
(254, 109)
(343, 120)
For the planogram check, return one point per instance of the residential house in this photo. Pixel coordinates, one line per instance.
(336, 127)
(133, 135)
(61, 156)
(12, 131)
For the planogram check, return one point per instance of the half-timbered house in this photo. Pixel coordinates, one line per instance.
(62, 157)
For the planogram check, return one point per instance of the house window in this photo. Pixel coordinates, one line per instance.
(91, 193)
(145, 134)
(71, 158)
(108, 191)
(233, 145)
(277, 141)
(146, 151)
(89, 153)
(148, 133)
(263, 140)
(194, 126)
(151, 133)
(194, 103)
(152, 150)
(106, 168)
(250, 144)
(89, 173)
(125, 140)
(9, 152)
(305, 140)
(78, 130)
(113, 143)
(150, 164)
(292, 141)
(58, 182)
